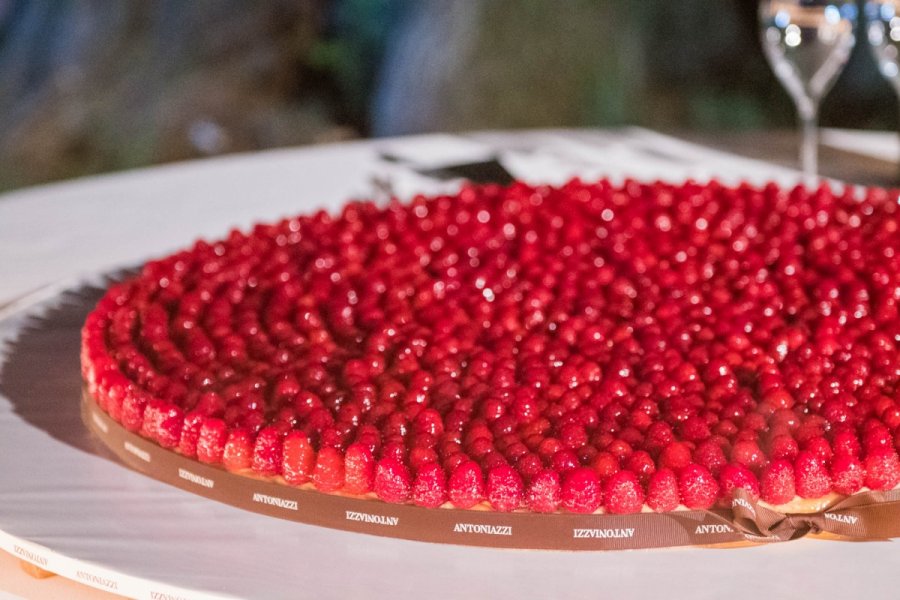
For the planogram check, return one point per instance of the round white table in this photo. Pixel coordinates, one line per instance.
(70, 507)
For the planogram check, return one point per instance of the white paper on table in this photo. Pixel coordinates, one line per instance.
(883, 145)
(557, 156)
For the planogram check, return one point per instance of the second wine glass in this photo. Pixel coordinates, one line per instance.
(807, 43)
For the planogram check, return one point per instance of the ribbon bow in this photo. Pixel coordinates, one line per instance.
(867, 515)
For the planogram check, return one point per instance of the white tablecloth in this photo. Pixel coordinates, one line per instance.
(63, 499)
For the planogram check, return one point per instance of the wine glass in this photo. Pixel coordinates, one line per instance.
(883, 33)
(807, 43)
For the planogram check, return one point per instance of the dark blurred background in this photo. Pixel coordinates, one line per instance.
(89, 86)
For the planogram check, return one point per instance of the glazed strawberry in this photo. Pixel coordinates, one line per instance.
(328, 474)
(709, 454)
(419, 456)
(662, 491)
(190, 434)
(163, 422)
(394, 449)
(847, 474)
(820, 447)
(504, 488)
(697, 486)
(392, 480)
(529, 465)
(430, 486)
(845, 443)
(659, 435)
(465, 486)
(564, 461)
(812, 478)
(694, 429)
(453, 460)
(620, 447)
(581, 491)
(359, 469)
(783, 447)
(777, 485)
(267, 452)
(736, 476)
(675, 456)
(298, 458)
(747, 453)
(210, 404)
(544, 492)
(429, 421)
(211, 443)
(808, 431)
(882, 468)
(623, 493)
(133, 408)
(605, 464)
(641, 464)
(877, 436)
(238, 452)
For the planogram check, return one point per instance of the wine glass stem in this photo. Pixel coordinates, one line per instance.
(809, 145)
(897, 89)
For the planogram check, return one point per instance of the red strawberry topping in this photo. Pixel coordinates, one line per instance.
(581, 491)
(359, 469)
(846, 443)
(466, 485)
(882, 468)
(298, 458)
(544, 492)
(392, 481)
(328, 474)
(163, 422)
(777, 483)
(698, 487)
(812, 478)
(820, 447)
(877, 436)
(747, 453)
(238, 453)
(623, 493)
(605, 464)
(430, 487)
(641, 464)
(211, 443)
(709, 454)
(133, 408)
(783, 447)
(847, 473)
(662, 491)
(504, 488)
(675, 456)
(190, 434)
(736, 476)
(267, 452)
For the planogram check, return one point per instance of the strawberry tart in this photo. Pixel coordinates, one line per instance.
(594, 348)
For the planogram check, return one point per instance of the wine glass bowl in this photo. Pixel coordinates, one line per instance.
(807, 44)
(883, 34)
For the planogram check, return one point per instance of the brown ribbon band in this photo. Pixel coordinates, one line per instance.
(864, 516)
